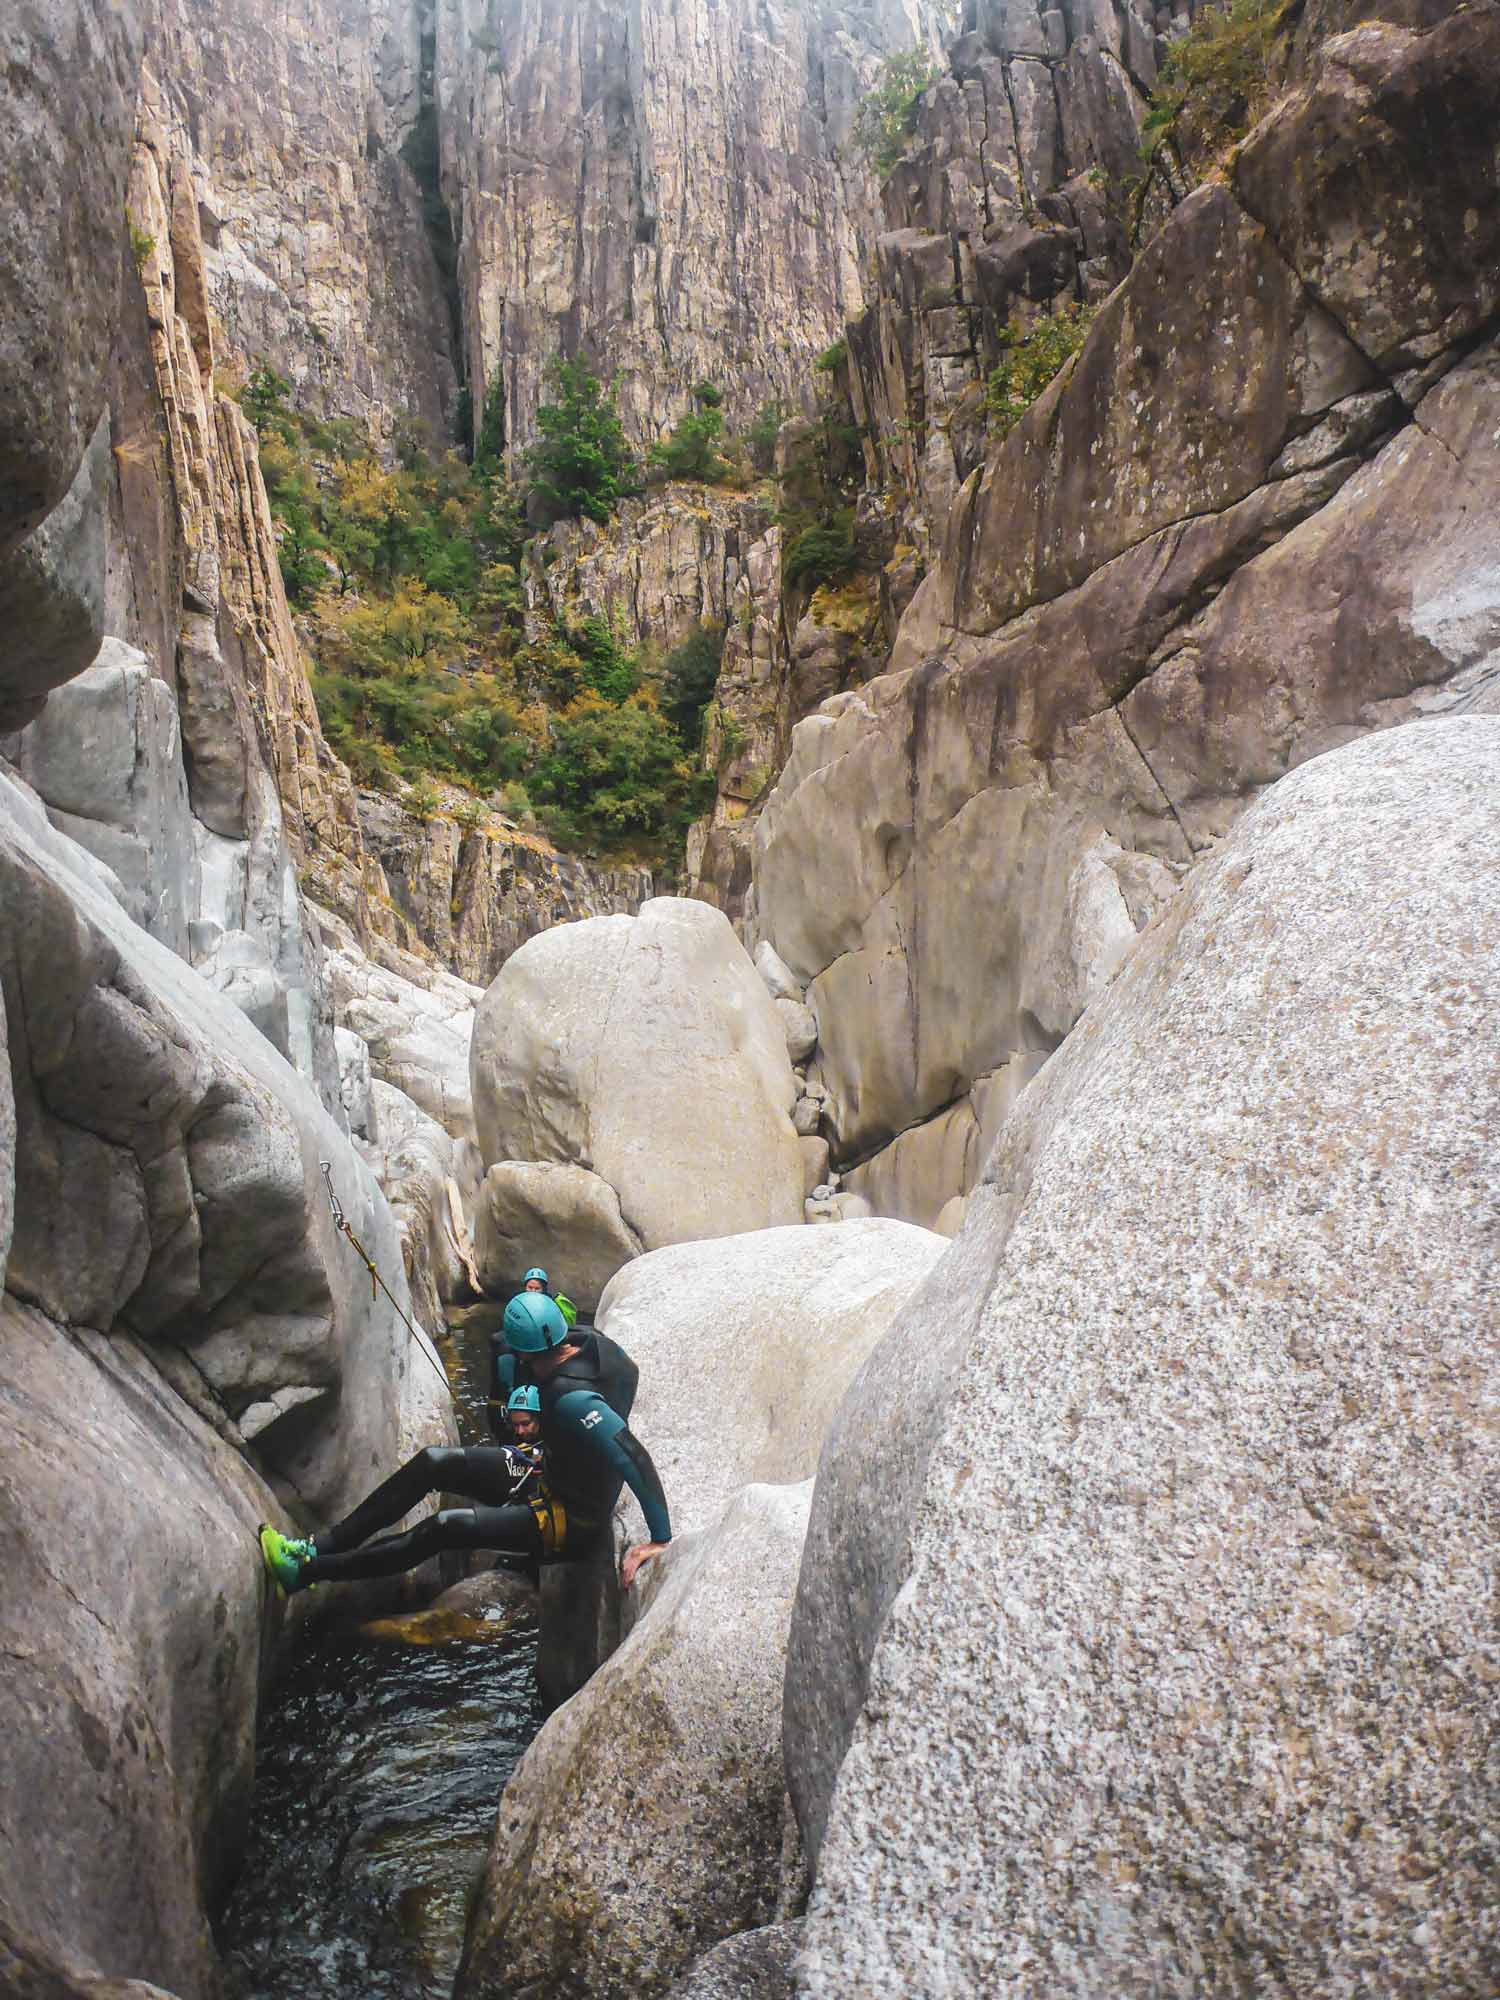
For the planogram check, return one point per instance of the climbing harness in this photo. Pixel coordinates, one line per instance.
(341, 1224)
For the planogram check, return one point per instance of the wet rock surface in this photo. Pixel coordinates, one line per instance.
(1184, 1654)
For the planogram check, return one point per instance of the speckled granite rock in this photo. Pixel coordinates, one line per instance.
(756, 1965)
(1187, 1660)
(646, 1820)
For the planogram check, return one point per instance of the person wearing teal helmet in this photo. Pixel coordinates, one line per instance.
(583, 1385)
(536, 1280)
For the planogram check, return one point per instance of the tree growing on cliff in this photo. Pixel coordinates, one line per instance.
(692, 451)
(887, 111)
(580, 464)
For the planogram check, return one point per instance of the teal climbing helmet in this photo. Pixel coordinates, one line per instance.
(525, 1398)
(533, 1324)
(537, 1272)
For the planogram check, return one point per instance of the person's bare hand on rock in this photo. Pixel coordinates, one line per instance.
(635, 1558)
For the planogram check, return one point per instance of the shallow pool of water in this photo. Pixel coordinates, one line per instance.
(379, 1768)
(379, 1771)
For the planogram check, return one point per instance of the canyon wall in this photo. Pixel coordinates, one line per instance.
(1144, 608)
(668, 188)
(301, 138)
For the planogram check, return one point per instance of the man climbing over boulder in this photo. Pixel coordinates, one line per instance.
(585, 1386)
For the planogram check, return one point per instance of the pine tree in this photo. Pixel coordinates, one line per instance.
(580, 463)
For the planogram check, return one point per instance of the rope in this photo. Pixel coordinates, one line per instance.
(341, 1224)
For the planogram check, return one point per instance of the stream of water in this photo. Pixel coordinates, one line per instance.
(380, 1765)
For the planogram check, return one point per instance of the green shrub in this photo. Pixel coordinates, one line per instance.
(692, 451)
(887, 112)
(1031, 358)
(515, 801)
(1215, 82)
(580, 464)
(264, 401)
(141, 245)
(761, 434)
(821, 553)
(832, 359)
(489, 444)
(616, 774)
(609, 669)
(688, 676)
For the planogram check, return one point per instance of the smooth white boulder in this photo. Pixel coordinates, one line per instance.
(563, 1218)
(646, 1050)
(747, 1343)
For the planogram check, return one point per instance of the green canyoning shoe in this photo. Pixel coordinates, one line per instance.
(284, 1558)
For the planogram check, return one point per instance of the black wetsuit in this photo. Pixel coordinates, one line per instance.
(590, 1453)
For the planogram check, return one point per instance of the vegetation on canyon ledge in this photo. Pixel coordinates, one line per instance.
(410, 580)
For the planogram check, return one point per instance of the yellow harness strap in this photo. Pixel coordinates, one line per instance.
(552, 1521)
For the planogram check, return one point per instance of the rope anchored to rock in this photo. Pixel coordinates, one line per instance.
(342, 1224)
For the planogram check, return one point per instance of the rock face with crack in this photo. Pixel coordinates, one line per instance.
(646, 1052)
(670, 186)
(646, 1821)
(1253, 520)
(62, 187)
(1183, 1655)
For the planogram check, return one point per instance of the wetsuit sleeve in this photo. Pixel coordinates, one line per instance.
(586, 1413)
(502, 1381)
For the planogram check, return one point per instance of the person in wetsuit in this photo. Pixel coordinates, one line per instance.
(536, 1280)
(585, 1385)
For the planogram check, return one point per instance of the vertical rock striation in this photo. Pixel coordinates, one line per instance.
(306, 139)
(667, 187)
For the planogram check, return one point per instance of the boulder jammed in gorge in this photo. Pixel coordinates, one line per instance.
(746, 1345)
(1183, 1654)
(1252, 520)
(646, 1052)
(648, 1819)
